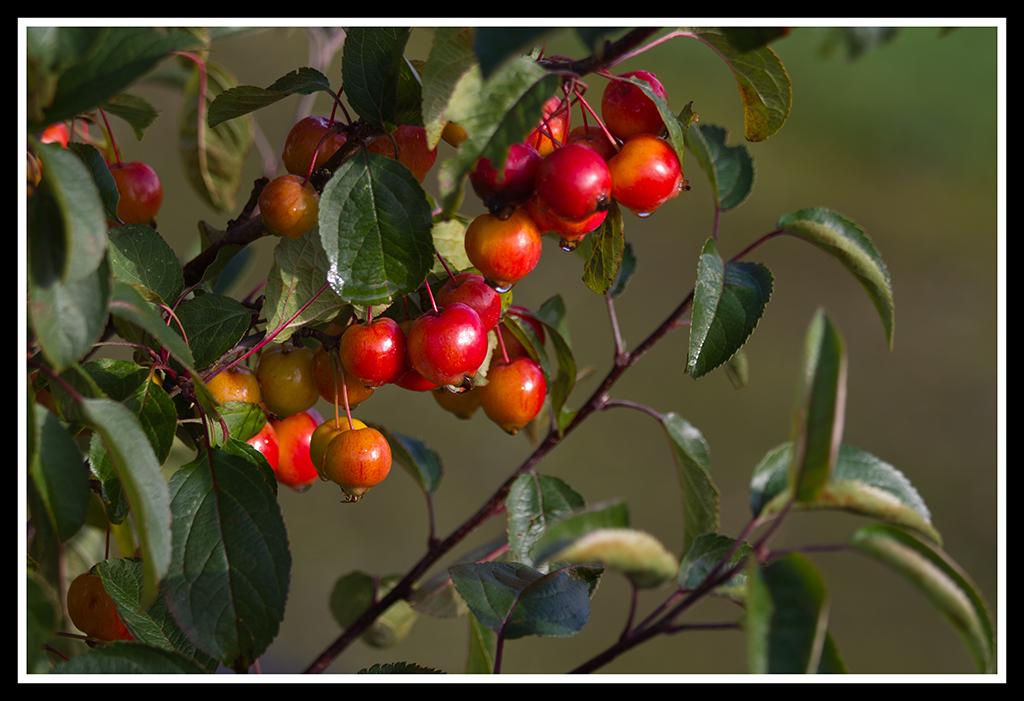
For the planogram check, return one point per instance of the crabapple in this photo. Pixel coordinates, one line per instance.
(286, 379)
(412, 149)
(93, 611)
(574, 182)
(571, 231)
(324, 434)
(471, 289)
(357, 460)
(303, 140)
(645, 174)
(290, 206)
(140, 193)
(627, 111)
(448, 346)
(502, 192)
(294, 465)
(594, 137)
(462, 404)
(555, 123)
(374, 353)
(503, 251)
(514, 393)
(236, 384)
(513, 346)
(266, 443)
(330, 380)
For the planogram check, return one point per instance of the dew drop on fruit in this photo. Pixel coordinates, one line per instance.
(502, 289)
(459, 389)
(644, 215)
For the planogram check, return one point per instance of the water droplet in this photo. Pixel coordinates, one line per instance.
(569, 245)
(502, 289)
(644, 215)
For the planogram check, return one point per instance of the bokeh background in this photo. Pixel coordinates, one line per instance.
(903, 141)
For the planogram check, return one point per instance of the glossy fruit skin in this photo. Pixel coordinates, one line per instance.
(593, 136)
(358, 460)
(463, 404)
(301, 141)
(324, 376)
(294, 465)
(374, 353)
(449, 346)
(413, 381)
(571, 231)
(557, 125)
(514, 393)
(289, 206)
(286, 379)
(236, 384)
(471, 289)
(140, 192)
(266, 443)
(514, 186)
(93, 611)
(646, 174)
(56, 133)
(322, 437)
(412, 149)
(504, 251)
(627, 111)
(574, 182)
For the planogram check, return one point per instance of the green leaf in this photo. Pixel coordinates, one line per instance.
(729, 301)
(515, 600)
(128, 658)
(129, 305)
(59, 474)
(212, 324)
(495, 45)
(560, 534)
(122, 57)
(399, 668)
(451, 55)
(607, 247)
(297, 293)
(533, 502)
(787, 615)
(729, 169)
(638, 555)
(133, 109)
(483, 644)
(355, 592)
(674, 127)
(847, 243)
(625, 272)
(860, 483)
(450, 243)
(375, 225)
(941, 580)
(242, 99)
(693, 464)
(139, 473)
(371, 63)
(552, 315)
(419, 459)
(764, 86)
(140, 257)
(214, 157)
(820, 409)
(43, 617)
(229, 576)
(495, 113)
(702, 558)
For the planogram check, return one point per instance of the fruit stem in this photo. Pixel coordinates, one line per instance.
(110, 135)
(444, 265)
(431, 295)
(501, 342)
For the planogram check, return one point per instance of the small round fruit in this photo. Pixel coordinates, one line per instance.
(454, 134)
(504, 251)
(412, 149)
(593, 137)
(303, 140)
(502, 192)
(139, 190)
(290, 206)
(286, 379)
(447, 347)
(358, 460)
(575, 182)
(374, 353)
(627, 111)
(514, 393)
(294, 466)
(462, 404)
(330, 379)
(471, 289)
(322, 437)
(571, 231)
(236, 384)
(93, 611)
(266, 443)
(645, 174)
(57, 133)
(555, 123)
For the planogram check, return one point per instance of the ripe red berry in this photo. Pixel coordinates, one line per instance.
(593, 137)
(357, 460)
(412, 149)
(555, 123)
(139, 190)
(334, 384)
(93, 611)
(645, 174)
(324, 434)
(504, 251)
(447, 347)
(471, 289)
(374, 353)
(502, 193)
(294, 466)
(570, 231)
(266, 442)
(290, 206)
(574, 182)
(514, 393)
(303, 140)
(627, 111)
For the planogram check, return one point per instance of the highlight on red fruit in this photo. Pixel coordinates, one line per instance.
(574, 182)
(514, 393)
(627, 111)
(501, 191)
(294, 466)
(448, 346)
(471, 289)
(290, 206)
(645, 174)
(267, 444)
(357, 460)
(140, 193)
(412, 149)
(504, 251)
(302, 141)
(374, 353)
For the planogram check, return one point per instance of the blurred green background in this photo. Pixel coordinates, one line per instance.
(902, 141)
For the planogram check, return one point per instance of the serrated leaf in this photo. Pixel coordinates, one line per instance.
(421, 461)
(787, 616)
(371, 64)
(704, 555)
(135, 110)
(242, 99)
(229, 576)
(212, 324)
(693, 464)
(450, 243)
(483, 644)
(729, 301)
(820, 409)
(638, 555)
(140, 257)
(552, 315)
(59, 475)
(533, 502)
(451, 55)
(515, 600)
(214, 157)
(128, 658)
(847, 243)
(941, 580)
(559, 534)
(729, 169)
(139, 473)
(375, 226)
(129, 305)
(399, 668)
(607, 247)
(764, 85)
